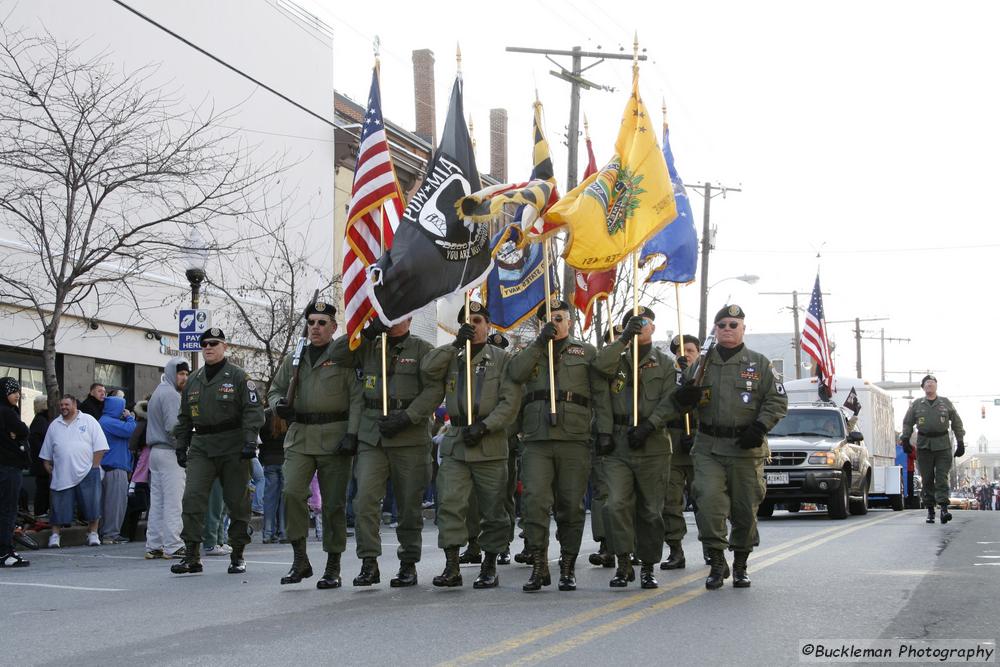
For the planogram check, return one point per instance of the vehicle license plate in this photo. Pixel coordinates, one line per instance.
(777, 477)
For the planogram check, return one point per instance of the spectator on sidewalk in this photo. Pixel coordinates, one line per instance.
(13, 457)
(36, 435)
(166, 477)
(272, 457)
(72, 451)
(93, 405)
(138, 486)
(118, 425)
(214, 534)
(257, 487)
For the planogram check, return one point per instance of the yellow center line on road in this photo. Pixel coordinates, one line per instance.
(537, 634)
(638, 615)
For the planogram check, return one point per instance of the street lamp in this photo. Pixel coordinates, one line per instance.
(749, 279)
(195, 259)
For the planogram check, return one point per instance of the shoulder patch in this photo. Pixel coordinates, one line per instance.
(251, 385)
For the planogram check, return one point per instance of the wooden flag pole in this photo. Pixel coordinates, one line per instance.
(680, 350)
(548, 318)
(635, 343)
(468, 365)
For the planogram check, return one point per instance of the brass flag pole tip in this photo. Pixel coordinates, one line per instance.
(458, 56)
(376, 43)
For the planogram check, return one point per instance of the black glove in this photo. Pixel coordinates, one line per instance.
(632, 329)
(547, 333)
(182, 456)
(249, 451)
(687, 442)
(284, 410)
(687, 396)
(637, 434)
(393, 423)
(473, 435)
(348, 445)
(604, 444)
(374, 329)
(682, 362)
(960, 450)
(752, 436)
(907, 447)
(465, 332)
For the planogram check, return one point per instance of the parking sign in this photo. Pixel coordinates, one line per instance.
(191, 324)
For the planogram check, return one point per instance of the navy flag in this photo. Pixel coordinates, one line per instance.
(435, 253)
(517, 283)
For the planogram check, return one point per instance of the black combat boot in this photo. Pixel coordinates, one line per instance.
(675, 559)
(331, 575)
(945, 514)
(191, 563)
(503, 558)
(720, 569)
(930, 514)
(524, 557)
(539, 572)
(407, 575)
(567, 571)
(369, 573)
(452, 575)
(301, 568)
(472, 554)
(625, 572)
(646, 578)
(740, 578)
(603, 557)
(488, 573)
(236, 563)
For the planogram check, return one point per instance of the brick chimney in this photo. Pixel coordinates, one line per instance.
(498, 144)
(423, 95)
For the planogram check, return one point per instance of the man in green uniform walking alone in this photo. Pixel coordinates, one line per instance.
(322, 439)
(216, 434)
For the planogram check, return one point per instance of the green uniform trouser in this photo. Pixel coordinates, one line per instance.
(473, 517)
(486, 481)
(674, 527)
(727, 487)
(934, 466)
(409, 469)
(598, 499)
(563, 466)
(234, 475)
(333, 472)
(213, 533)
(635, 504)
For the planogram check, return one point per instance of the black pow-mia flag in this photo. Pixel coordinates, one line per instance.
(852, 403)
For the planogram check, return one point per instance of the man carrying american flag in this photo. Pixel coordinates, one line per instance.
(816, 343)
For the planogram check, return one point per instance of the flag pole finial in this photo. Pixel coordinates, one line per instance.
(586, 128)
(472, 135)
(664, 113)
(635, 53)
(458, 56)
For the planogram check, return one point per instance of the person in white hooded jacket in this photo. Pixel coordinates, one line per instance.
(166, 477)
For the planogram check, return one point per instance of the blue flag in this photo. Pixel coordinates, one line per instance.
(675, 249)
(516, 285)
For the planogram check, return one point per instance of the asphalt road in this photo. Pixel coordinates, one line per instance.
(884, 575)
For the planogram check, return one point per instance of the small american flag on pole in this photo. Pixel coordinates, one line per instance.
(376, 207)
(814, 338)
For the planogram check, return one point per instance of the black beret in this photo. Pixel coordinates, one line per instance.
(688, 338)
(555, 303)
(498, 339)
(730, 311)
(612, 333)
(215, 333)
(644, 312)
(925, 379)
(475, 308)
(321, 308)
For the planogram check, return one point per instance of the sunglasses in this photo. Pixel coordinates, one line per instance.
(731, 325)
(318, 323)
(211, 343)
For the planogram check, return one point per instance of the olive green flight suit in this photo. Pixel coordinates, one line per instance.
(636, 479)
(480, 470)
(555, 464)
(406, 457)
(216, 419)
(728, 480)
(327, 406)
(934, 453)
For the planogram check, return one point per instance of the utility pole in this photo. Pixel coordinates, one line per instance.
(798, 330)
(707, 191)
(576, 82)
(857, 333)
(882, 337)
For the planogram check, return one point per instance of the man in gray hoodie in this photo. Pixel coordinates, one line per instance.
(166, 477)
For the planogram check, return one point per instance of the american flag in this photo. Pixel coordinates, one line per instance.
(815, 342)
(376, 207)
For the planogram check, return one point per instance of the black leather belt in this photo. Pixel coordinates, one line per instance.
(623, 420)
(568, 396)
(394, 404)
(932, 434)
(212, 429)
(313, 418)
(722, 431)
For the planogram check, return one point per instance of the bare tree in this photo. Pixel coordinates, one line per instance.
(102, 172)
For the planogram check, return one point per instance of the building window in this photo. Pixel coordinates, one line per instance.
(32, 385)
(111, 376)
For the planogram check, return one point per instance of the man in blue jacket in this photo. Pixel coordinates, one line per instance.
(118, 425)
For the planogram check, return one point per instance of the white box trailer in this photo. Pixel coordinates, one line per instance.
(876, 423)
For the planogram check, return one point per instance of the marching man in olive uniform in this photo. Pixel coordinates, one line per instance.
(474, 450)
(395, 446)
(932, 415)
(637, 460)
(558, 450)
(740, 399)
(322, 439)
(216, 434)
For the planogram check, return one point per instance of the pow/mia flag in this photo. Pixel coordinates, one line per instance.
(852, 403)
(435, 253)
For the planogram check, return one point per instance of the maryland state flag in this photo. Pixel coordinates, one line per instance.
(617, 209)
(435, 253)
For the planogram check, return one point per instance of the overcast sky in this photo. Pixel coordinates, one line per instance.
(868, 130)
